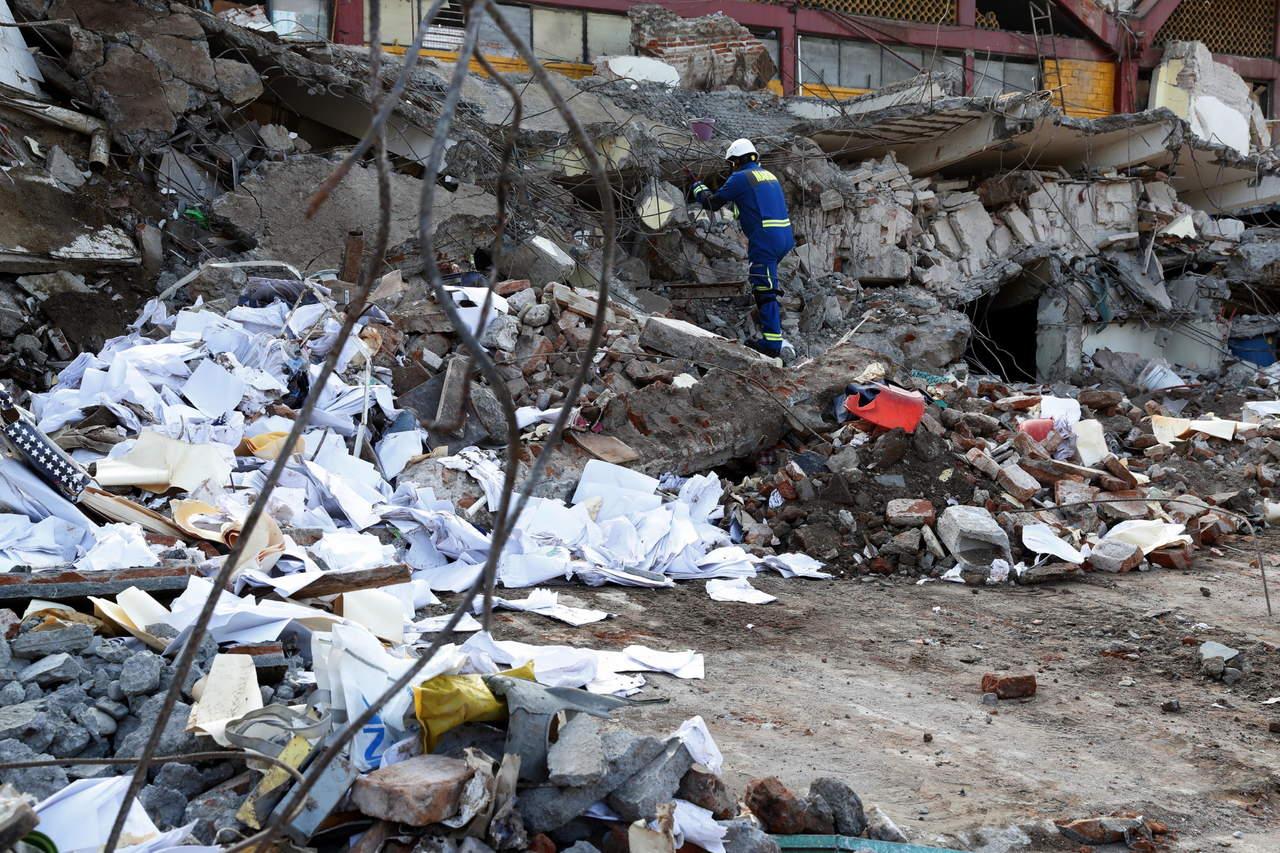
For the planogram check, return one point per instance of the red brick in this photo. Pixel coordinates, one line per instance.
(1180, 556)
(910, 512)
(1010, 687)
(511, 286)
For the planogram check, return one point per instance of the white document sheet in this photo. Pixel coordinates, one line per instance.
(1041, 539)
(213, 390)
(737, 589)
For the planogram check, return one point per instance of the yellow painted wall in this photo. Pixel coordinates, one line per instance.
(576, 70)
(1089, 88)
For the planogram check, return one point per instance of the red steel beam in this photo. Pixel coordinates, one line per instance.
(1249, 67)
(1097, 22)
(818, 23)
(1153, 15)
(348, 21)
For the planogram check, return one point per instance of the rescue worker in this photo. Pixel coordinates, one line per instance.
(762, 213)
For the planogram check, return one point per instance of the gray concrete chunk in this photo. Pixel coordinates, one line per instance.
(54, 669)
(577, 758)
(548, 807)
(141, 673)
(34, 644)
(39, 782)
(972, 535)
(640, 795)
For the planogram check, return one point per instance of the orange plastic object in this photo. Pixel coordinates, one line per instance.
(1037, 428)
(891, 408)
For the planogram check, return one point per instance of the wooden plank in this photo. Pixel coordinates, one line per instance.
(334, 583)
(579, 304)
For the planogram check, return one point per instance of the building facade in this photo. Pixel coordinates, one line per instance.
(1096, 55)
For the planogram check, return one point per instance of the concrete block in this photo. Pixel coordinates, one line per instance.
(548, 807)
(53, 669)
(972, 534)
(1112, 556)
(640, 795)
(420, 791)
(34, 644)
(577, 757)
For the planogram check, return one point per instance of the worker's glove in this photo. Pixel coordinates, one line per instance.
(700, 192)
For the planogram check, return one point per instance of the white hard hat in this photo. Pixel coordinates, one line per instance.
(739, 148)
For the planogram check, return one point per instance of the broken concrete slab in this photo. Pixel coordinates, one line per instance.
(548, 807)
(269, 203)
(577, 756)
(47, 228)
(972, 534)
(640, 795)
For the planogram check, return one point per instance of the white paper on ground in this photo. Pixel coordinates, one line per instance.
(161, 462)
(376, 610)
(1091, 444)
(47, 543)
(795, 565)
(697, 739)
(1168, 430)
(686, 664)
(226, 694)
(357, 670)
(1146, 534)
(397, 448)
(696, 825)
(527, 415)
(737, 589)
(1060, 407)
(1040, 539)
(78, 818)
(544, 602)
(436, 624)
(212, 389)
(348, 550)
(1256, 412)
(119, 546)
(1216, 428)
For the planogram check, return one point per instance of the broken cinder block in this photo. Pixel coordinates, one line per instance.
(419, 791)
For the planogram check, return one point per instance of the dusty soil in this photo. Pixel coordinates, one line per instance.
(846, 677)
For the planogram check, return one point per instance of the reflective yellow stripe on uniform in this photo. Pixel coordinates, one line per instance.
(771, 336)
(775, 223)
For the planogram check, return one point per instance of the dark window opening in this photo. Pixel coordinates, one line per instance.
(1016, 16)
(1004, 336)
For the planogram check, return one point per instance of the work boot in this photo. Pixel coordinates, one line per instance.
(765, 348)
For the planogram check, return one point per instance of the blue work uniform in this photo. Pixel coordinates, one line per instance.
(763, 215)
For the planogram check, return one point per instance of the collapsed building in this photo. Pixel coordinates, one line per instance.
(1070, 302)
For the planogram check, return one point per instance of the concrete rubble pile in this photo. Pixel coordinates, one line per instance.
(167, 308)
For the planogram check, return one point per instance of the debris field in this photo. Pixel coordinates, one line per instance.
(385, 469)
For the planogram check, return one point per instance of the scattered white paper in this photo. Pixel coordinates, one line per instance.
(213, 390)
(738, 589)
(1040, 539)
(78, 818)
(697, 739)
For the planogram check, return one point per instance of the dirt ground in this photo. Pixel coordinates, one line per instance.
(845, 678)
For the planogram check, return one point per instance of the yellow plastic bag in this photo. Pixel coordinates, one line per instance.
(448, 701)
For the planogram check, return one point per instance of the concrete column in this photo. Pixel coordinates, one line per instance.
(788, 64)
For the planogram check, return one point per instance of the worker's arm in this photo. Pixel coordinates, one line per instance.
(727, 194)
